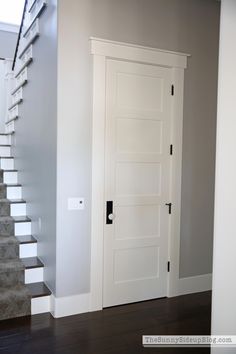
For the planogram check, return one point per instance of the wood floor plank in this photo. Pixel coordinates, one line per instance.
(116, 330)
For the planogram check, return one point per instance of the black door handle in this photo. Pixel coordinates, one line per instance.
(109, 212)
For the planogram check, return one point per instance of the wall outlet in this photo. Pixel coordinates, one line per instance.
(75, 203)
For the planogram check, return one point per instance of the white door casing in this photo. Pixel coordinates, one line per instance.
(105, 52)
(137, 181)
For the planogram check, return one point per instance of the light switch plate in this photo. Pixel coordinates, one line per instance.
(75, 203)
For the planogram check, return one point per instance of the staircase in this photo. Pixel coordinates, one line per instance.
(22, 289)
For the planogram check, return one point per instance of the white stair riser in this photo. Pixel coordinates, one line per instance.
(10, 127)
(10, 177)
(28, 250)
(5, 140)
(28, 40)
(18, 209)
(40, 305)
(33, 275)
(14, 192)
(22, 228)
(5, 151)
(18, 95)
(7, 164)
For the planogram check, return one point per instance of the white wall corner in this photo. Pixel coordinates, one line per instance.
(70, 305)
(192, 285)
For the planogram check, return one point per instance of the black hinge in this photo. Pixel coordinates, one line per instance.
(168, 266)
(171, 149)
(172, 90)
(170, 207)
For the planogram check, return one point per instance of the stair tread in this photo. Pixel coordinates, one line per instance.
(18, 290)
(12, 201)
(6, 134)
(32, 262)
(7, 240)
(14, 218)
(6, 157)
(14, 264)
(10, 185)
(26, 239)
(7, 145)
(9, 170)
(38, 289)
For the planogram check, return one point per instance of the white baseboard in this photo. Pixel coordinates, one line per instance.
(194, 284)
(76, 304)
(69, 305)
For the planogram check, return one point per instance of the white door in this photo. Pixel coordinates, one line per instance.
(137, 182)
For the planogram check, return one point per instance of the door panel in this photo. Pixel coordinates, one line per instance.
(137, 180)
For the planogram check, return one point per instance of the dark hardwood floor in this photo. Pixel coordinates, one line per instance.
(116, 330)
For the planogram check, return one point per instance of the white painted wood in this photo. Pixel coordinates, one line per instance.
(23, 228)
(69, 305)
(137, 180)
(8, 83)
(5, 151)
(29, 38)
(7, 164)
(98, 163)
(30, 5)
(33, 275)
(20, 80)
(5, 139)
(10, 127)
(195, 284)
(9, 177)
(17, 96)
(176, 177)
(18, 209)
(127, 51)
(24, 61)
(40, 305)
(28, 250)
(224, 260)
(98, 151)
(13, 113)
(34, 12)
(14, 192)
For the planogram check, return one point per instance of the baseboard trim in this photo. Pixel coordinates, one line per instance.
(195, 284)
(69, 305)
(76, 304)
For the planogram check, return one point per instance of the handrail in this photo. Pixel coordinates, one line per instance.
(19, 35)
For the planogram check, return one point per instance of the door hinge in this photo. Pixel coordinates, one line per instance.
(168, 266)
(171, 149)
(172, 90)
(170, 207)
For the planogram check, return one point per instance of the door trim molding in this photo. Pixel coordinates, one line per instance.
(102, 50)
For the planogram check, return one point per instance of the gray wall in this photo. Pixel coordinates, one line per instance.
(180, 25)
(35, 141)
(7, 44)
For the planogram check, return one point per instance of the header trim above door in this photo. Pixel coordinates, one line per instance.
(126, 51)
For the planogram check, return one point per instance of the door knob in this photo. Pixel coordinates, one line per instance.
(111, 217)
